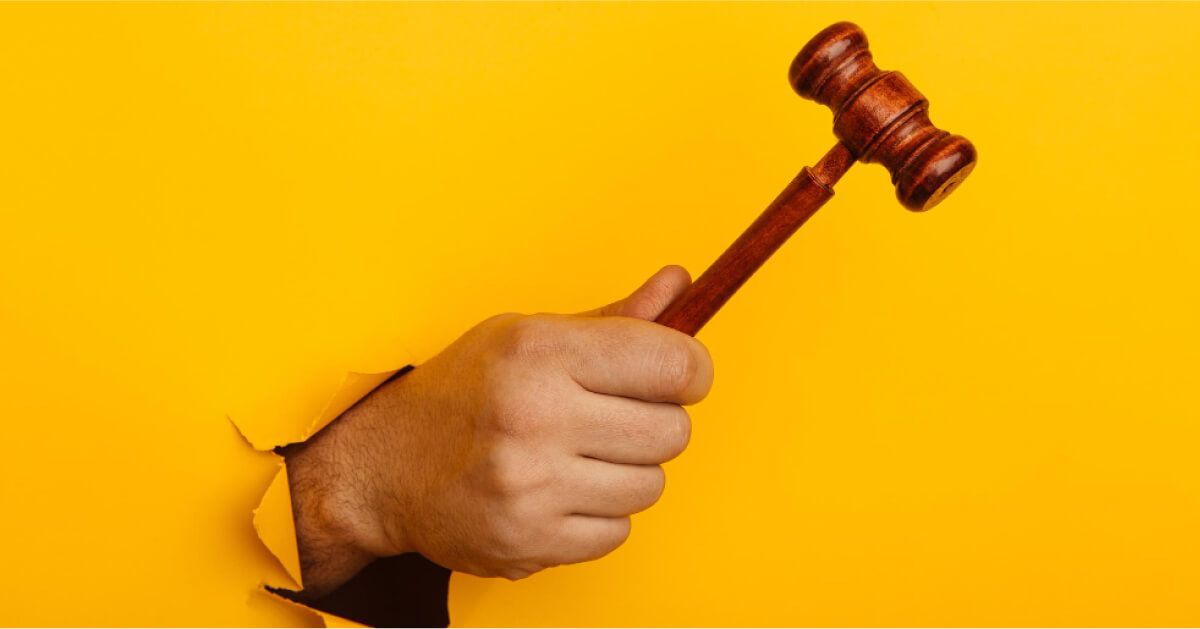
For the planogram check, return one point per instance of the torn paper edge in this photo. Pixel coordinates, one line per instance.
(273, 523)
(328, 619)
(273, 517)
(354, 386)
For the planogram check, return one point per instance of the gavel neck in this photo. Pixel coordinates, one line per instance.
(830, 168)
(807, 192)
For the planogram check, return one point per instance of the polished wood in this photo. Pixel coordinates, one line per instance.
(807, 192)
(879, 117)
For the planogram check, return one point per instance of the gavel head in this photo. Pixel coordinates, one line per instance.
(881, 117)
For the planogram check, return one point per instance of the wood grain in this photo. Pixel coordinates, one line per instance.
(878, 117)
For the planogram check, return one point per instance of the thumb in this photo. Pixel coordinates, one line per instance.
(651, 298)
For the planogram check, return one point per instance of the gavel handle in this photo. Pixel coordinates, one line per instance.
(798, 201)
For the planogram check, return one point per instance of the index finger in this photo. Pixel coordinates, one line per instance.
(636, 359)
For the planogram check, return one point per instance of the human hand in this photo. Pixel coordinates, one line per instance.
(525, 444)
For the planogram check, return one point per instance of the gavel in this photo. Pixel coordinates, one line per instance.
(878, 116)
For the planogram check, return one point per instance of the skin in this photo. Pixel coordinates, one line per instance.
(525, 444)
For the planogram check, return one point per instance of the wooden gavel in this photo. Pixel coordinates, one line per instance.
(878, 116)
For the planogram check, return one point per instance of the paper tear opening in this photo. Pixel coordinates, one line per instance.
(273, 518)
(265, 432)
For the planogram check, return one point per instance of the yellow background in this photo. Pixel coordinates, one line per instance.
(986, 414)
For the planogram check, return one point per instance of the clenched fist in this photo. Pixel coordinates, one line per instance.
(525, 444)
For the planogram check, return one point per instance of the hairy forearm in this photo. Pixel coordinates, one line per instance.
(327, 477)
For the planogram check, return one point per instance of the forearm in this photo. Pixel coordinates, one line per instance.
(328, 555)
(329, 478)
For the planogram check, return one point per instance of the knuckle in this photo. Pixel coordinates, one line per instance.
(492, 326)
(621, 532)
(528, 337)
(654, 485)
(651, 487)
(677, 433)
(704, 371)
(500, 320)
(611, 539)
(677, 366)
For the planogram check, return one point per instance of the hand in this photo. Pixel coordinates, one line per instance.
(525, 444)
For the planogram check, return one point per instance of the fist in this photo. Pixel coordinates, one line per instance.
(525, 444)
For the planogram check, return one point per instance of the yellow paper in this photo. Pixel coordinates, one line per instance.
(981, 415)
(275, 527)
(273, 518)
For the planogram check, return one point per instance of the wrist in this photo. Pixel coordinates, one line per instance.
(343, 521)
(368, 447)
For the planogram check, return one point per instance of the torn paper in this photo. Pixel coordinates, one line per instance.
(273, 518)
